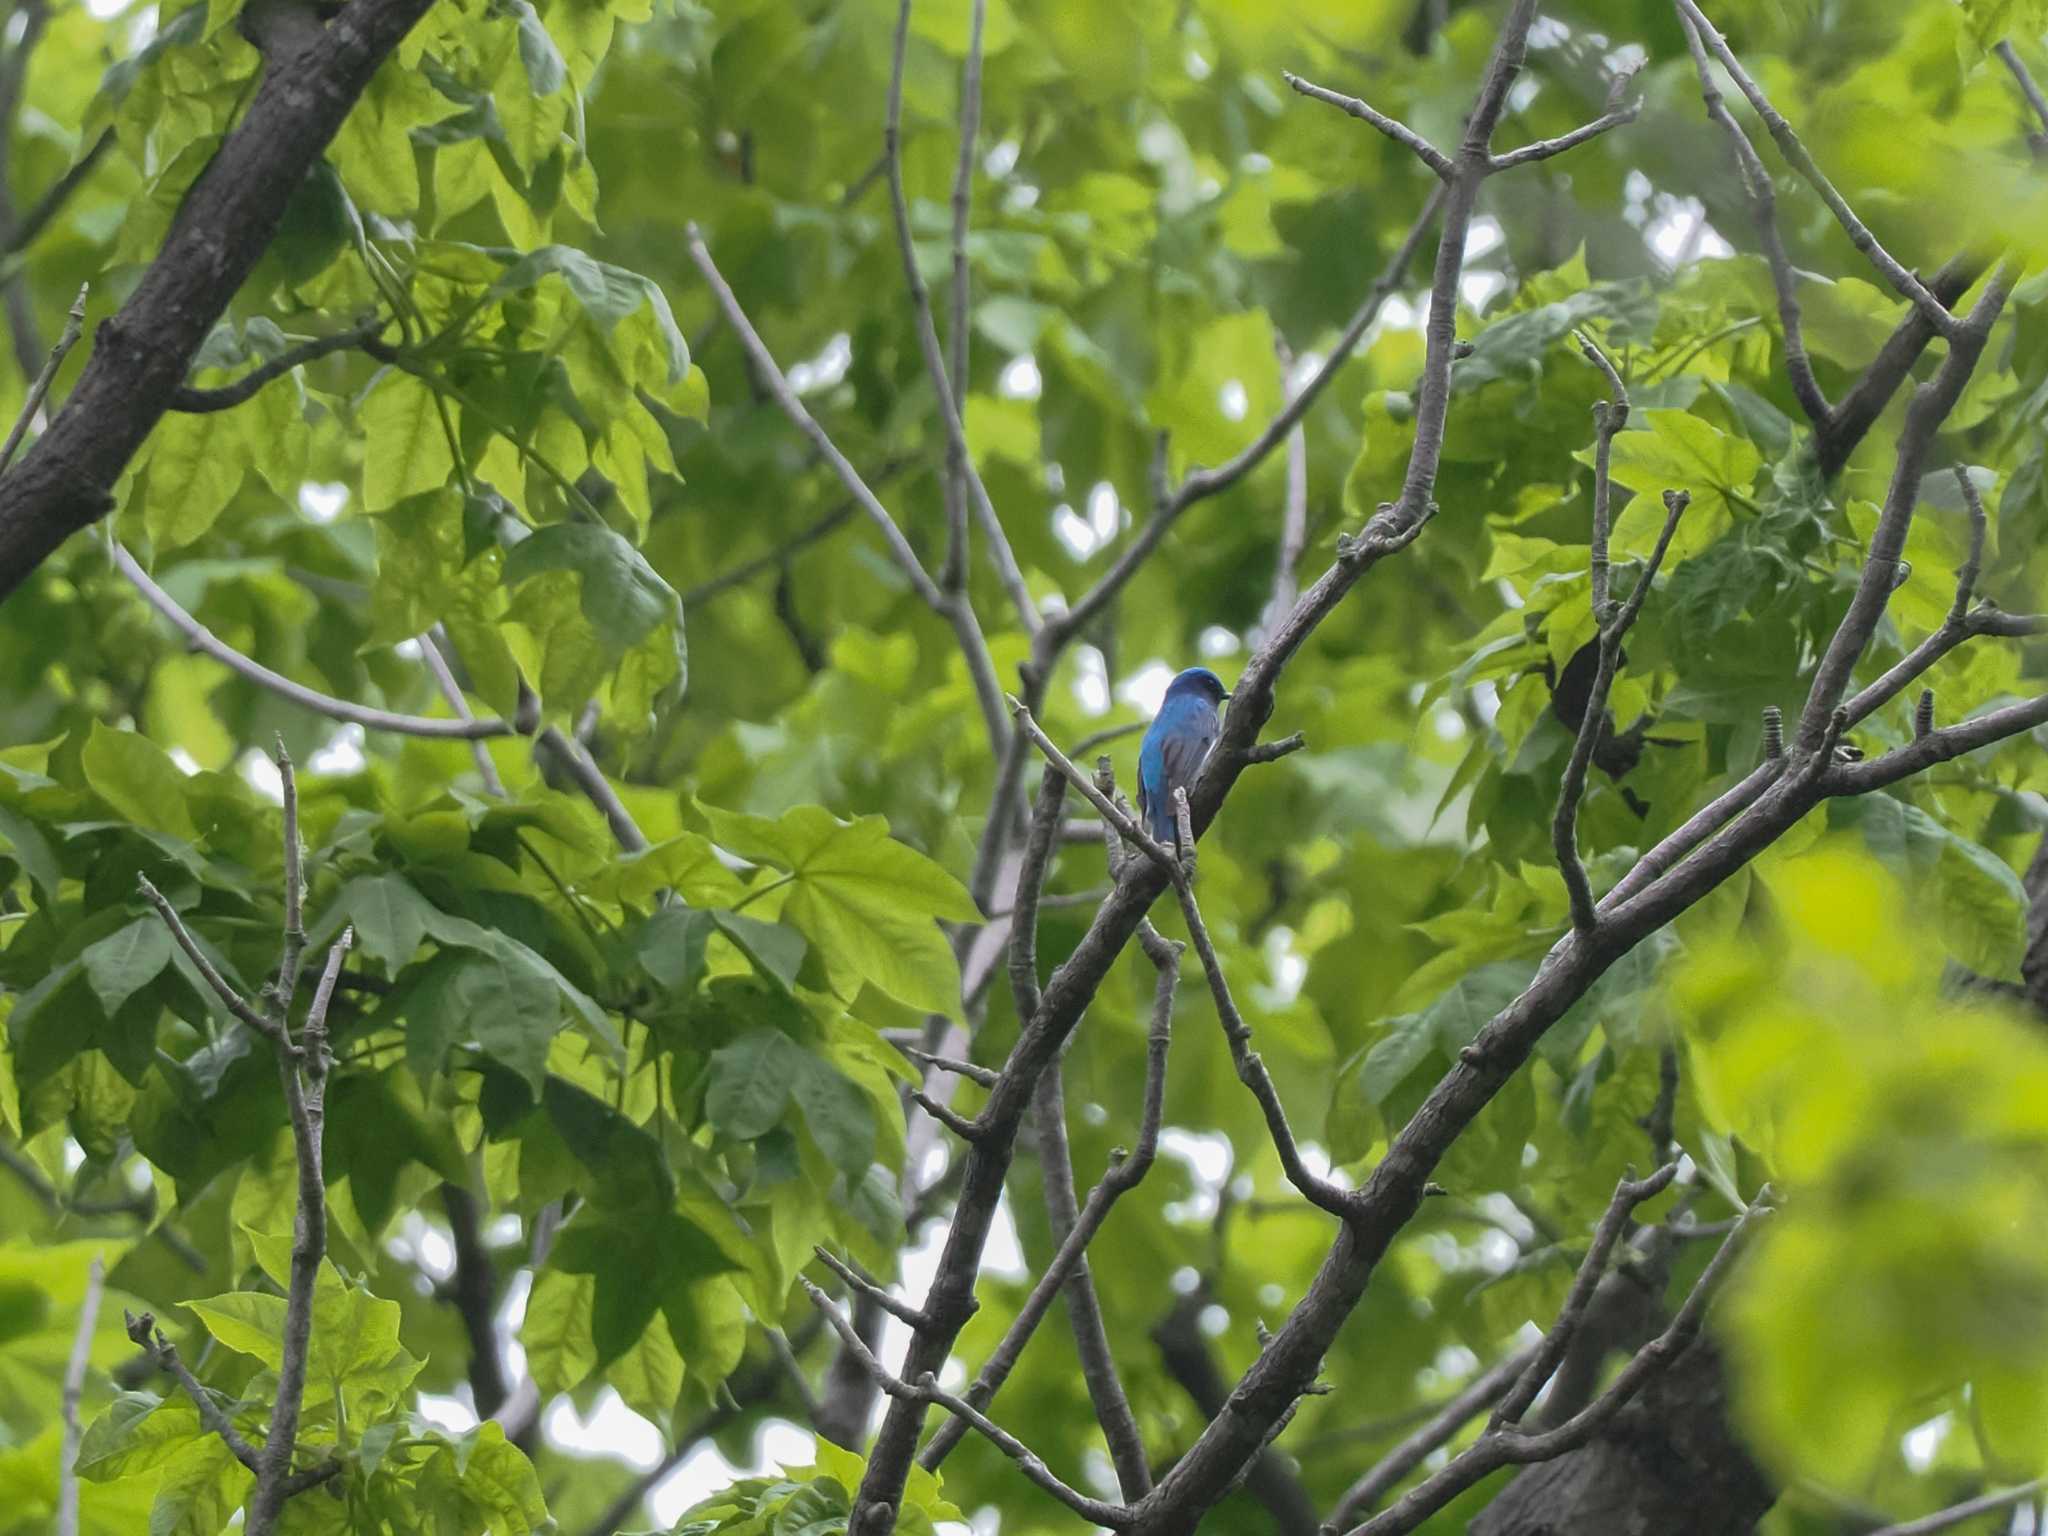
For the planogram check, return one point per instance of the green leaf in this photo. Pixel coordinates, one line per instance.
(196, 462)
(670, 947)
(751, 1081)
(138, 779)
(1675, 450)
(389, 916)
(127, 960)
(537, 51)
(776, 950)
(248, 1322)
(406, 450)
(202, 1487)
(622, 597)
(138, 1431)
(836, 1113)
(869, 903)
(31, 852)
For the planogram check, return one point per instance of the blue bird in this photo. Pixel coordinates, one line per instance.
(1178, 740)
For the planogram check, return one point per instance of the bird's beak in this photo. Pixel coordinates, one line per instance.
(1226, 693)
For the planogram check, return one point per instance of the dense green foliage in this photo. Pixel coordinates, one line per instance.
(559, 454)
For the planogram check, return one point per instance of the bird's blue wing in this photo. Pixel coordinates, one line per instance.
(1152, 790)
(1181, 751)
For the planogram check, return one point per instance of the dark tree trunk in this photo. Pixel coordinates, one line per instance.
(1670, 1464)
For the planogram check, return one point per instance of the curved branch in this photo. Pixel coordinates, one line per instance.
(1393, 128)
(226, 396)
(203, 639)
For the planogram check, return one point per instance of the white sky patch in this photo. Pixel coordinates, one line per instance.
(453, 1414)
(1021, 197)
(1548, 32)
(187, 763)
(1922, 1443)
(1091, 681)
(322, 500)
(612, 1430)
(1484, 235)
(1217, 641)
(1477, 289)
(1252, 163)
(1213, 1321)
(1020, 379)
(1074, 531)
(342, 754)
(1680, 227)
(511, 1318)
(1208, 1157)
(1002, 159)
(1397, 314)
(1145, 689)
(1288, 969)
(1448, 724)
(409, 649)
(1105, 512)
(1524, 92)
(1233, 400)
(824, 370)
(1309, 364)
(261, 775)
(1198, 68)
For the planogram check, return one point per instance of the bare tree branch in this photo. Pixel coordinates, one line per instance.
(1038, 852)
(1956, 1514)
(1441, 1426)
(953, 607)
(1931, 405)
(1124, 1172)
(1859, 409)
(66, 1521)
(1795, 153)
(959, 319)
(880, 1295)
(1763, 207)
(927, 1390)
(590, 778)
(1628, 1194)
(1544, 149)
(200, 638)
(163, 1354)
(959, 461)
(51, 203)
(39, 388)
(1251, 1071)
(1084, 1309)
(225, 397)
(2024, 79)
(451, 690)
(1399, 132)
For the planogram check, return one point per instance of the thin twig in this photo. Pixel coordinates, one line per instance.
(1037, 862)
(1956, 1514)
(1084, 1308)
(66, 1522)
(1123, 1173)
(2024, 78)
(163, 1354)
(74, 326)
(51, 203)
(1443, 1423)
(1763, 207)
(1796, 155)
(881, 1295)
(959, 462)
(985, 1076)
(959, 320)
(200, 638)
(1609, 417)
(596, 787)
(1931, 405)
(1251, 1071)
(1628, 1194)
(928, 1390)
(190, 398)
(1544, 149)
(451, 690)
(1125, 824)
(225, 990)
(1393, 128)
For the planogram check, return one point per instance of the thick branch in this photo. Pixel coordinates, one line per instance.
(141, 355)
(200, 638)
(1859, 409)
(1038, 851)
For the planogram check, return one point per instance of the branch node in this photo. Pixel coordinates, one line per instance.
(1923, 715)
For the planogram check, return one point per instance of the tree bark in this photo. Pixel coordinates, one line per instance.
(1670, 1463)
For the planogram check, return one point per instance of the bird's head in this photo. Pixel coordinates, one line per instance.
(1200, 683)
